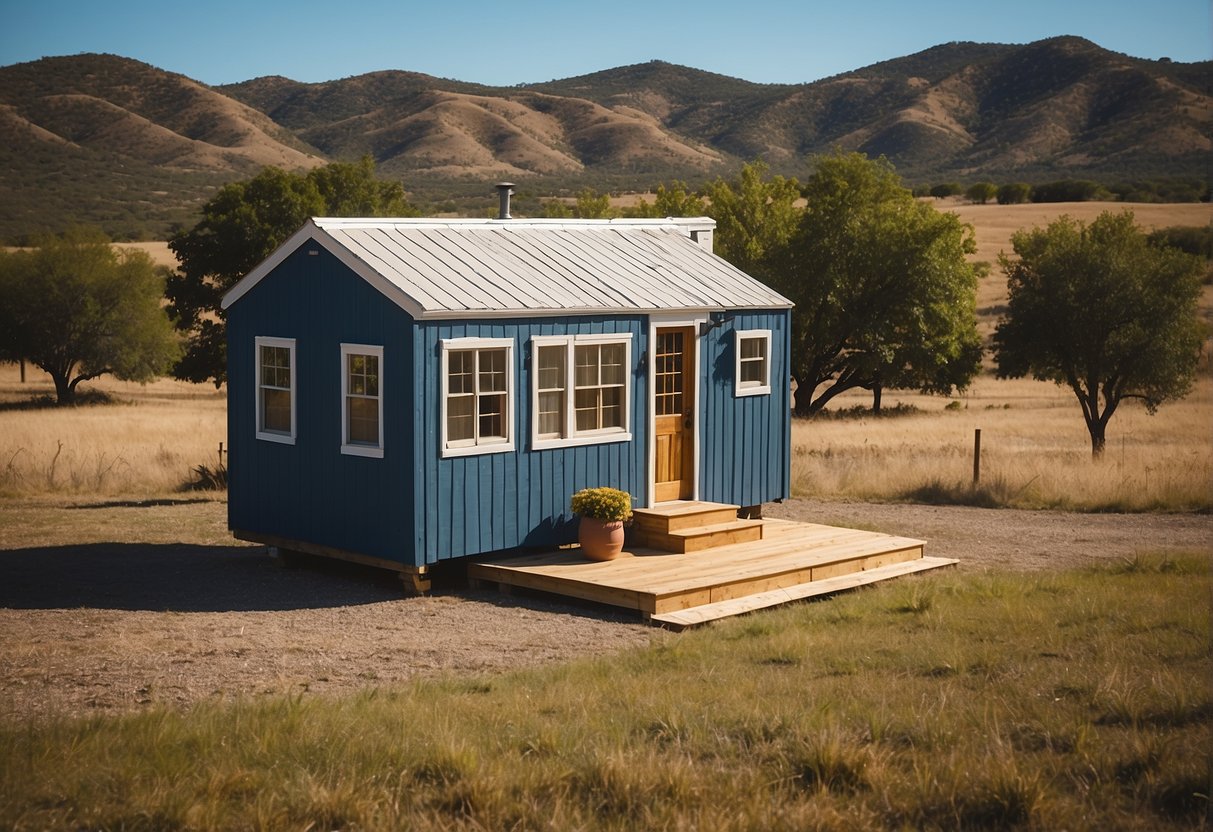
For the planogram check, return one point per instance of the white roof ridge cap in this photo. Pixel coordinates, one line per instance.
(540, 222)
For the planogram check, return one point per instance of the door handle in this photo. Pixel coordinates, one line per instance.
(688, 423)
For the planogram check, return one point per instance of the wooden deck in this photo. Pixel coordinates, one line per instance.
(791, 561)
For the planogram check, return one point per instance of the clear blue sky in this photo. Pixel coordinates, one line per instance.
(513, 41)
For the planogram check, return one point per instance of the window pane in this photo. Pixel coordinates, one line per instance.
(551, 368)
(364, 420)
(492, 371)
(612, 407)
(586, 406)
(611, 357)
(492, 423)
(753, 347)
(459, 419)
(460, 372)
(356, 375)
(551, 413)
(276, 410)
(587, 365)
(372, 375)
(753, 372)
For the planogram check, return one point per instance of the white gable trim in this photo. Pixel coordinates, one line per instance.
(311, 232)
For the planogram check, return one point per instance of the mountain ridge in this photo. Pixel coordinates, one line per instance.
(102, 136)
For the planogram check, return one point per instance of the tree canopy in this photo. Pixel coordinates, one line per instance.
(1099, 309)
(755, 217)
(78, 309)
(884, 295)
(981, 192)
(241, 225)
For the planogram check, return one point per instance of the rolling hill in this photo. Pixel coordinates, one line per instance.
(113, 141)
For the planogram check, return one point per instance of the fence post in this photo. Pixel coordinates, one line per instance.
(976, 456)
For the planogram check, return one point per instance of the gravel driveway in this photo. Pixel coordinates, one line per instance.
(108, 627)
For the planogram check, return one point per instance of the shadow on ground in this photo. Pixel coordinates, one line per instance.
(181, 577)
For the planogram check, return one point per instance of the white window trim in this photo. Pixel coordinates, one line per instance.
(572, 437)
(268, 435)
(450, 345)
(358, 448)
(751, 389)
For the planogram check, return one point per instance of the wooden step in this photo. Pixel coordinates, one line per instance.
(698, 538)
(681, 619)
(683, 514)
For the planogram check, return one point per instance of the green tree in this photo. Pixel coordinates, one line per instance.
(1014, 193)
(241, 225)
(592, 205)
(755, 217)
(1099, 309)
(79, 309)
(981, 192)
(884, 295)
(674, 200)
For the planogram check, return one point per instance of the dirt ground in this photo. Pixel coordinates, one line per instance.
(89, 625)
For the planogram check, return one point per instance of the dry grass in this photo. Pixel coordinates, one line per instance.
(144, 442)
(1067, 700)
(1035, 451)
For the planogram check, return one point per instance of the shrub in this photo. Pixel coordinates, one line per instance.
(1014, 193)
(609, 504)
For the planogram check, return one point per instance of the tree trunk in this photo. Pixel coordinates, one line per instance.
(877, 392)
(1098, 439)
(23, 371)
(804, 400)
(65, 391)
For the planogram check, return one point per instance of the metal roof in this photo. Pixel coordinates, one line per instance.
(497, 268)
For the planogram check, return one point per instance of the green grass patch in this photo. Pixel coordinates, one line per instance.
(1045, 701)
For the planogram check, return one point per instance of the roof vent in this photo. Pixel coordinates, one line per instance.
(504, 191)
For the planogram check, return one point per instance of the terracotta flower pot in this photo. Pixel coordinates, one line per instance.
(600, 539)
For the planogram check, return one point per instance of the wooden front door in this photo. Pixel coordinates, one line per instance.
(674, 400)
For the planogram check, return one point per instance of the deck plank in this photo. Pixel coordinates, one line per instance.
(656, 582)
(689, 617)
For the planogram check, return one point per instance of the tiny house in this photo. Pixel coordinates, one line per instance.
(407, 391)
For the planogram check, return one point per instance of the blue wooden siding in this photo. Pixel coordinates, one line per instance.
(496, 501)
(416, 507)
(745, 458)
(310, 491)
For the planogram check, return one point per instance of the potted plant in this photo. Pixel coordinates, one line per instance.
(603, 512)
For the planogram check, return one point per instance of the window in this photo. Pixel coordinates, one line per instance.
(581, 389)
(276, 389)
(362, 400)
(477, 395)
(753, 362)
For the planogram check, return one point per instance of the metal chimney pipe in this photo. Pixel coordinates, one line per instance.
(504, 191)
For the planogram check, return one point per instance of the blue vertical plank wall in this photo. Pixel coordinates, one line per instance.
(310, 491)
(489, 502)
(746, 454)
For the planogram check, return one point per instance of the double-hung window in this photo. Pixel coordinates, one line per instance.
(275, 389)
(362, 400)
(477, 395)
(753, 348)
(582, 388)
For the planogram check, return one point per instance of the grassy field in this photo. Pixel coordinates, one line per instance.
(144, 442)
(1075, 700)
(1035, 451)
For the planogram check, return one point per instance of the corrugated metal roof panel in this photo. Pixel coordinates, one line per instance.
(443, 268)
